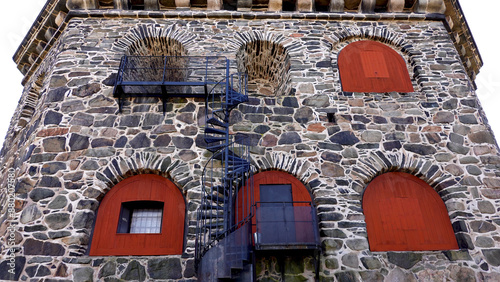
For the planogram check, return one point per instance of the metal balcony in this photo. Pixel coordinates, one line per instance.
(169, 76)
(285, 226)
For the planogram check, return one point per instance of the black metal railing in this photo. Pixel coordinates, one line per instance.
(169, 76)
(285, 225)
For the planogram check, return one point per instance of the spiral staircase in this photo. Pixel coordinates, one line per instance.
(223, 243)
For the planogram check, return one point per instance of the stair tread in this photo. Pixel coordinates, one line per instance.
(216, 121)
(215, 130)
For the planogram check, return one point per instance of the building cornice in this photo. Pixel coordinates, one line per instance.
(56, 14)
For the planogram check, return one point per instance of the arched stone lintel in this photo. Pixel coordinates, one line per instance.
(120, 168)
(378, 163)
(243, 38)
(375, 33)
(141, 32)
(301, 169)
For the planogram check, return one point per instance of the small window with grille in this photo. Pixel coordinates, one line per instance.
(141, 217)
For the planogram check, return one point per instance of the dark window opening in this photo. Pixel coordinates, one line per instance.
(331, 117)
(136, 5)
(289, 6)
(140, 217)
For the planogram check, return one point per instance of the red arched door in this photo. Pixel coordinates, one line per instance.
(284, 211)
(404, 213)
(370, 66)
(150, 197)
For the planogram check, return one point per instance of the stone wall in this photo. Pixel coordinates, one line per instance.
(77, 146)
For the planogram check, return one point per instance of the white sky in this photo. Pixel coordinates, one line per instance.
(19, 15)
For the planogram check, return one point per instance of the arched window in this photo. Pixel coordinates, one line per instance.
(285, 214)
(369, 66)
(141, 215)
(404, 213)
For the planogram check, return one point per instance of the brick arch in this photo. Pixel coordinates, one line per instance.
(152, 40)
(266, 59)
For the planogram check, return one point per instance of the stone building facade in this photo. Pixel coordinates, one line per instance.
(68, 144)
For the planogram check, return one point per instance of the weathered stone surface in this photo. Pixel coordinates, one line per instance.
(164, 268)
(108, 269)
(141, 140)
(57, 221)
(182, 142)
(83, 220)
(290, 102)
(36, 247)
(457, 148)
(53, 167)
(78, 142)
(397, 275)
(289, 138)
(371, 136)
(486, 207)
(82, 119)
(49, 181)
(331, 157)
(83, 274)
(30, 214)
(444, 117)
(134, 271)
(405, 260)
(371, 263)
(482, 226)
(87, 90)
(318, 101)
(6, 268)
(303, 115)
(38, 194)
(357, 244)
(54, 144)
(350, 260)
(52, 117)
(344, 138)
(332, 170)
(468, 119)
(482, 137)
(420, 149)
(492, 256)
(56, 95)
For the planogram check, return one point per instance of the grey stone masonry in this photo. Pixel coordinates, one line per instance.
(76, 146)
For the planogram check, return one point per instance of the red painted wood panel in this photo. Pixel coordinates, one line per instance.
(146, 187)
(404, 213)
(370, 66)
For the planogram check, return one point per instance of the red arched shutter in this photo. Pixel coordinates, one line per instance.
(404, 213)
(107, 241)
(369, 66)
